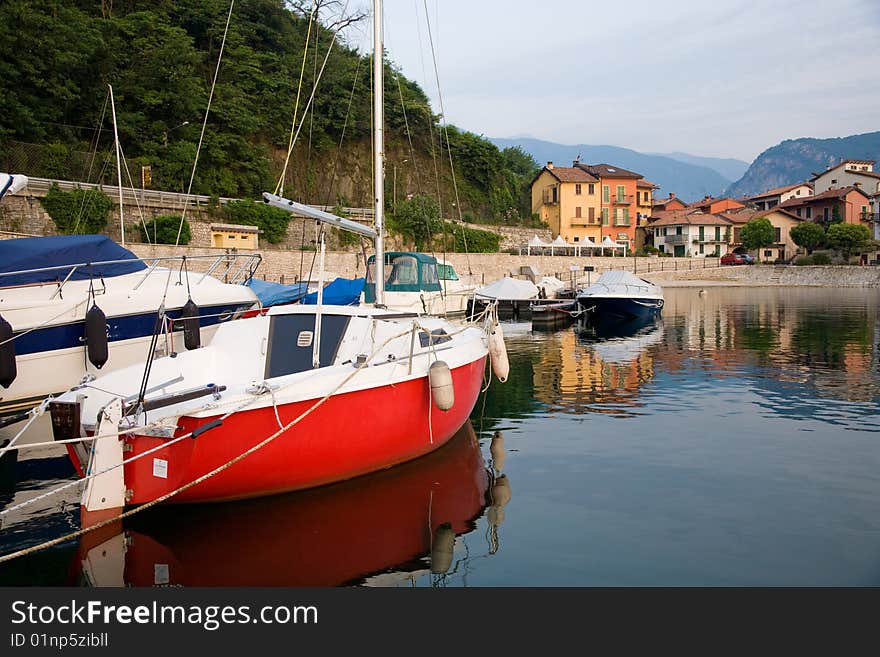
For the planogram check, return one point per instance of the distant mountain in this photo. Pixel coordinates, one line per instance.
(730, 168)
(795, 160)
(689, 181)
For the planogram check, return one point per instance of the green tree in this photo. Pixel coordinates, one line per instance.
(79, 211)
(418, 219)
(757, 234)
(808, 235)
(163, 230)
(849, 239)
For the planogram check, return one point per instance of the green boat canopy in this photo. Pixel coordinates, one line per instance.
(405, 271)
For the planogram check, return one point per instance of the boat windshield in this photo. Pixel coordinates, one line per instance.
(447, 272)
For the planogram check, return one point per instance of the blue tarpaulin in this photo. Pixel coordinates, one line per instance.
(341, 292)
(17, 255)
(273, 294)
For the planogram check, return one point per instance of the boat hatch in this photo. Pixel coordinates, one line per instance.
(290, 342)
(438, 336)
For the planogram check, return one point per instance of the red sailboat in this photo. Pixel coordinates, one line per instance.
(333, 535)
(299, 397)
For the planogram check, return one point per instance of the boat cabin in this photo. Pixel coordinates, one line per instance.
(404, 272)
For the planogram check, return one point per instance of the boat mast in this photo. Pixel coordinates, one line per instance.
(378, 150)
(118, 166)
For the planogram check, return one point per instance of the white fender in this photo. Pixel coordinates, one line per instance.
(496, 449)
(441, 548)
(442, 390)
(498, 353)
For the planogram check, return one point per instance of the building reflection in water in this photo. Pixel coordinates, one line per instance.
(382, 529)
(598, 367)
(790, 343)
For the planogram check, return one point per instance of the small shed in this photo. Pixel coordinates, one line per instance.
(235, 236)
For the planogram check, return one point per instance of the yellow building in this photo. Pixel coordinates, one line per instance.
(234, 236)
(569, 201)
(644, 201)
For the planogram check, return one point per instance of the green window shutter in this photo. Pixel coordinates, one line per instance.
(606, 193)
(626, 216)
(702, 234)
(605, 216)
(717, 233)
(621, 192)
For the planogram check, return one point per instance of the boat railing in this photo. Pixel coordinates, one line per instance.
(239, 268)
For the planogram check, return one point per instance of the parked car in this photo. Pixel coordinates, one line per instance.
(750, 259)
(733, 259)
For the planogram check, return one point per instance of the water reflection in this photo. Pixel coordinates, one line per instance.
(391, 522)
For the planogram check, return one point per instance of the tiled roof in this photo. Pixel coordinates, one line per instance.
(683, 217)
(608, 171)
(571, 174)
(667, 201)
(824, 196)
(779, 191)
(744, 216)
(647, 183)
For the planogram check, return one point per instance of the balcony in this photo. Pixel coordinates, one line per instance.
(550, 196)
(622, 200)
(583, 221)
(676, 239)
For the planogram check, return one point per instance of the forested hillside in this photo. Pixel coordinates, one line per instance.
(57, 58)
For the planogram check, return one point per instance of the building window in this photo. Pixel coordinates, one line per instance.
(591, 188)
(621, 193)
(798, 212)
(591, 215)
(702, 236)
(777, 235)
(577, 189)
(768, 253)
(577, 210)
(809, 213)
(231, 237)
(605, 216)
(701, 248)
(717, 233)
(678, 230)
(577, 239)
(606, 193)
(825, 214)
(626, 216)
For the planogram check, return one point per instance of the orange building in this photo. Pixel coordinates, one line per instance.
(671, 203)
(619, 201)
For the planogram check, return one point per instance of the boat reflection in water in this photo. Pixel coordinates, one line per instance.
(334, 535)
(620, 341)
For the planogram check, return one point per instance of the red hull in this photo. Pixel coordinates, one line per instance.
(325, 537)
(349, 435)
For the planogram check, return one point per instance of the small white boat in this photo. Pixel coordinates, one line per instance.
(621, 294)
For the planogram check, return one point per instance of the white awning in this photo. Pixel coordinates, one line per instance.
(589, 244)
(559, 241)
(608, 242)
(537, 241)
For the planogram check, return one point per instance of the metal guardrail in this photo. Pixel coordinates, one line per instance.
(173, 200)
(236, 268)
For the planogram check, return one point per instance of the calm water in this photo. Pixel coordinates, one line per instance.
(734, 442)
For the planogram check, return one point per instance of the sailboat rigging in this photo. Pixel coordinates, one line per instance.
(295, 398)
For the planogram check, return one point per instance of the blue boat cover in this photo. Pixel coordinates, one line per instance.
(17, 255)
(274, 294)
(341, 292)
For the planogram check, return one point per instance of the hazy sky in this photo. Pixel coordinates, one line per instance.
(723, 78)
